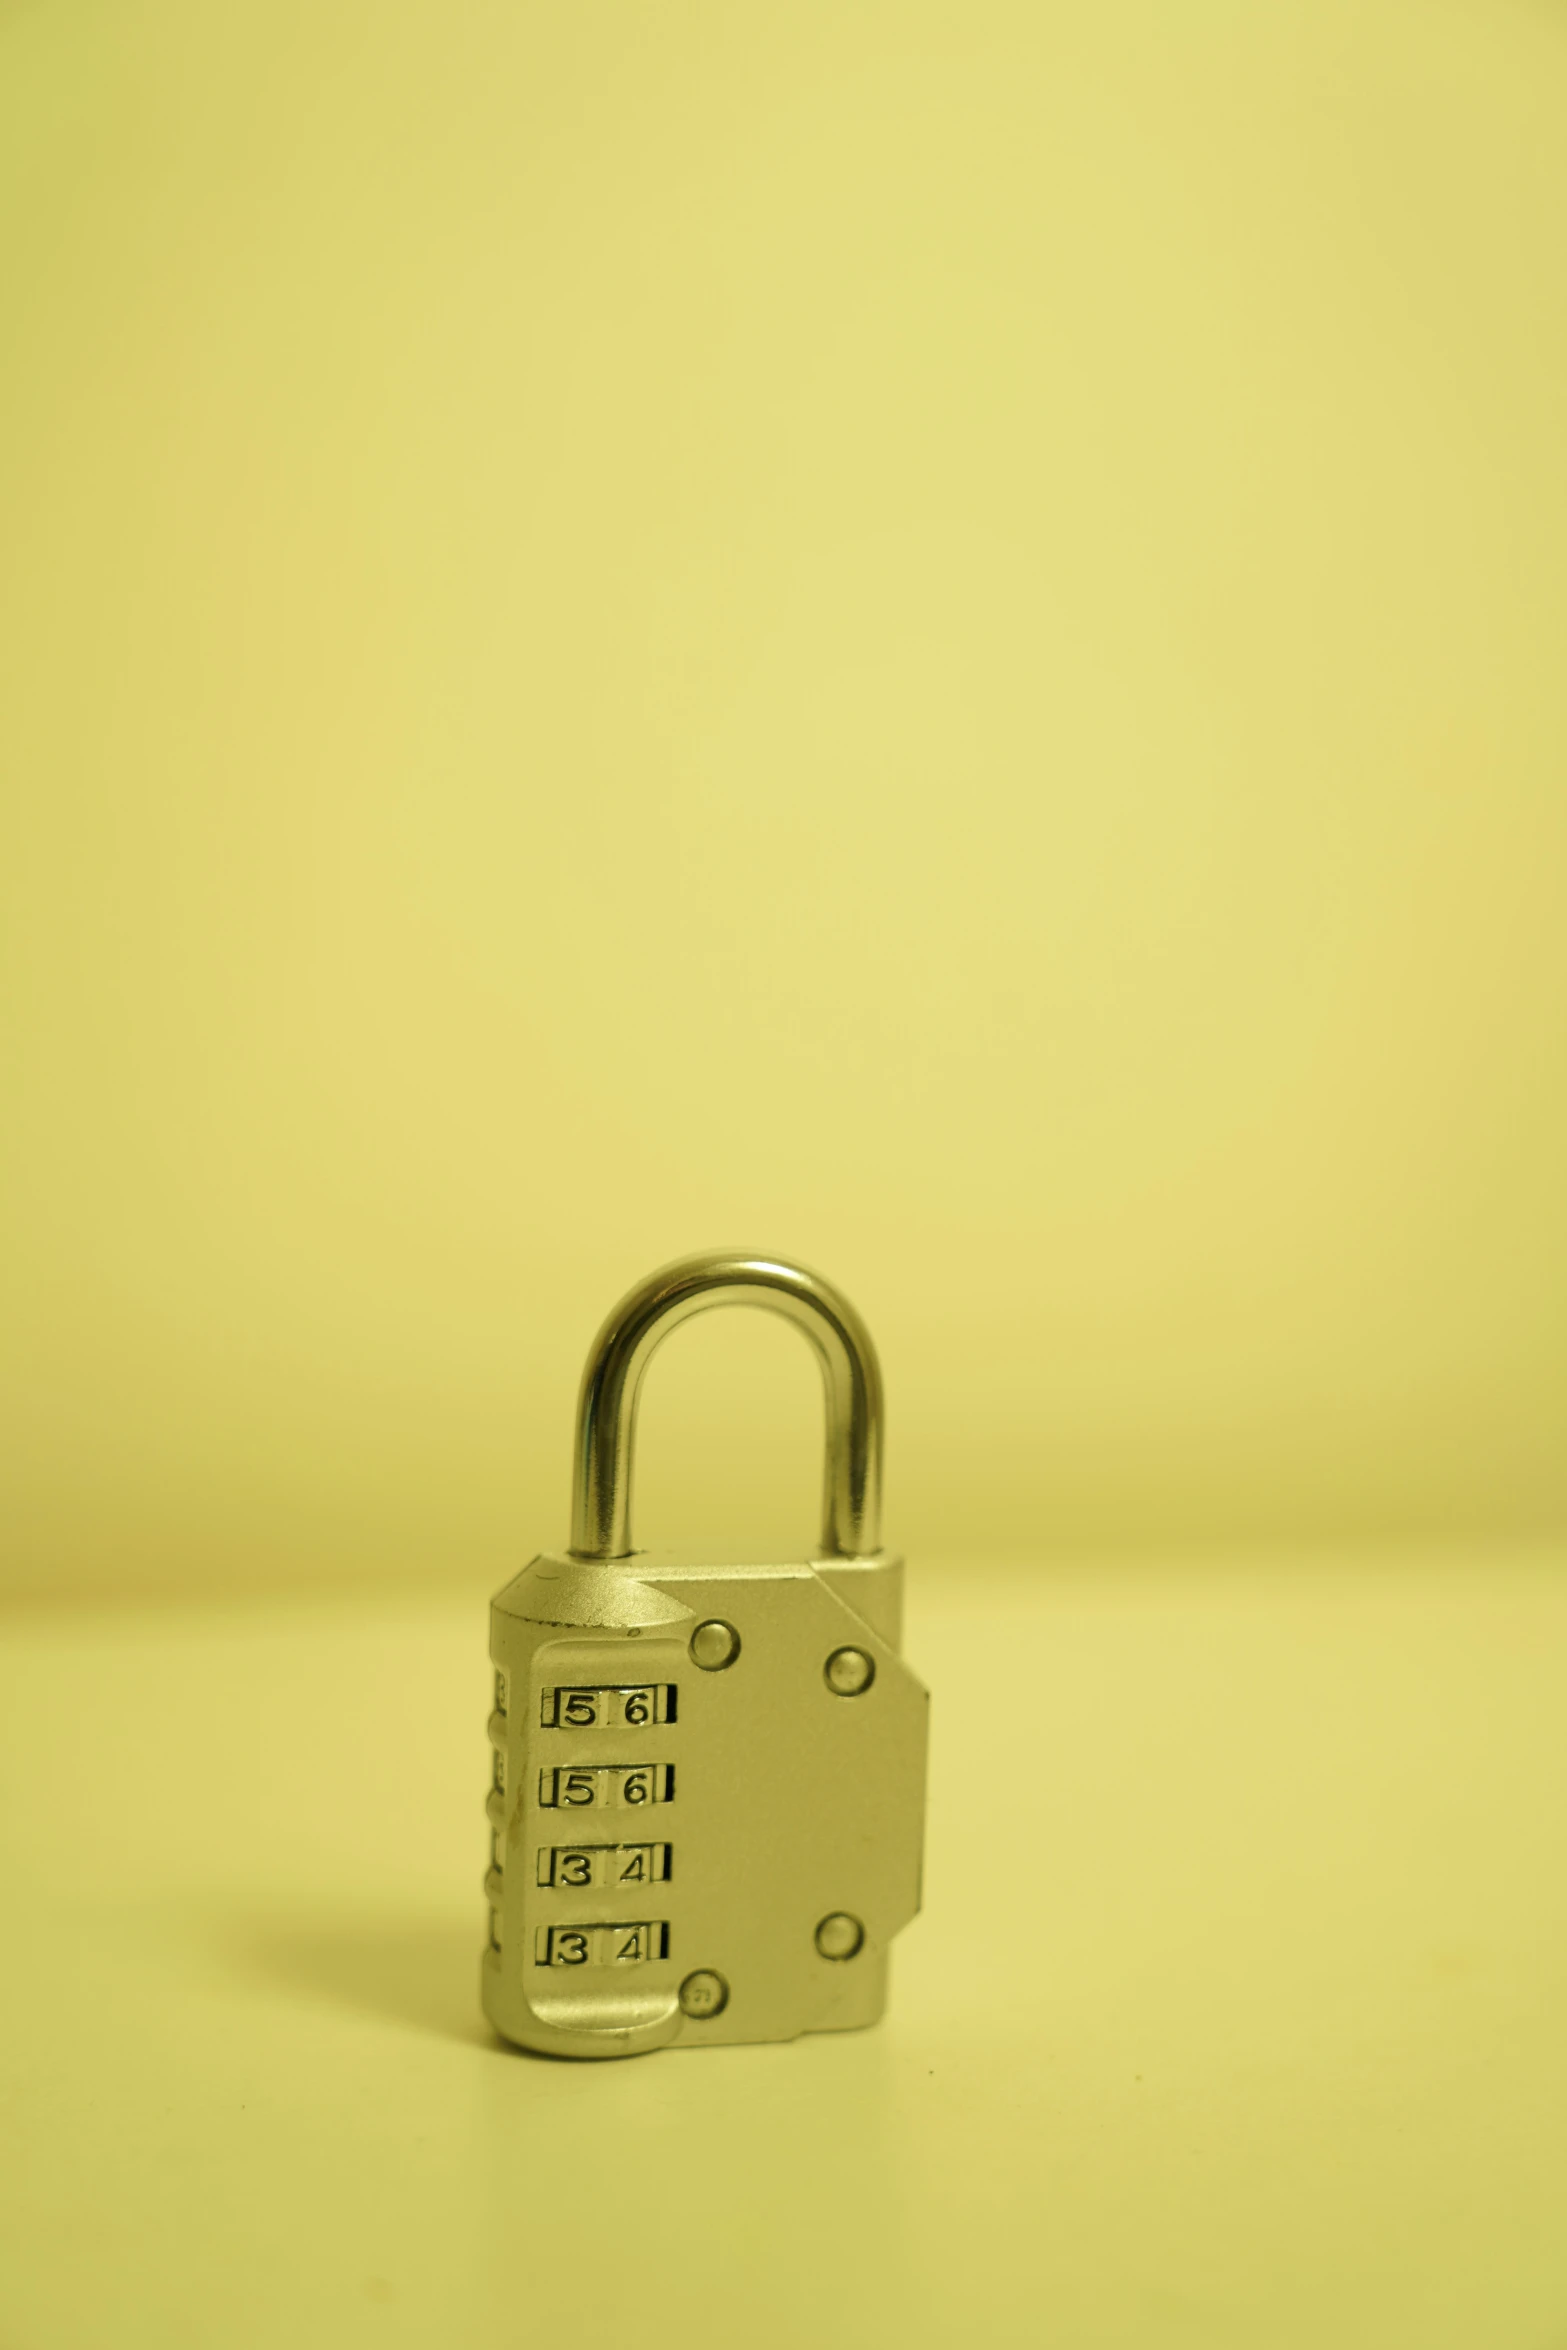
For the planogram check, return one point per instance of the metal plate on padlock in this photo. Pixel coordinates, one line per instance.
(707, 1801)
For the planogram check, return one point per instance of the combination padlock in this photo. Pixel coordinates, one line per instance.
(708, 1795)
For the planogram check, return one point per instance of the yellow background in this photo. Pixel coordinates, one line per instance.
(924, 635)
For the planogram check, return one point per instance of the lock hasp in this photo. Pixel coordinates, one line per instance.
(708, 1771)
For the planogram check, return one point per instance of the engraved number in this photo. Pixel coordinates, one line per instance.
(584, 1784)
(623, 1944)
(604, 1864)
(608, 1708)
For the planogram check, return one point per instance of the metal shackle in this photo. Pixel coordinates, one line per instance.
(611, 1385)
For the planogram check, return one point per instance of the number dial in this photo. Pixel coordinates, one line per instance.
(604, 1786)
(604, 1864)
(620, 1945)
(612, 1708)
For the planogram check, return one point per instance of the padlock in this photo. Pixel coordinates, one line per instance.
(708, 1773)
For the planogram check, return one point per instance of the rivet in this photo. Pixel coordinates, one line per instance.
(714, 1645)
(704, 1994)
(849, 1672)
(839, 1935)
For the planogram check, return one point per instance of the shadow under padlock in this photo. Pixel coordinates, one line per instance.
(708, 1800)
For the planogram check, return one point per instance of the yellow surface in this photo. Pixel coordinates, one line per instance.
(1238, 2014)
(922, 632)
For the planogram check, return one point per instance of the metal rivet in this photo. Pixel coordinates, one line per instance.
(704, 1994)
(714, 1645)
(839, 1935)
(849, 1672)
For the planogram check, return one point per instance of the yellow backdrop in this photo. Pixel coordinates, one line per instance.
(928, 635)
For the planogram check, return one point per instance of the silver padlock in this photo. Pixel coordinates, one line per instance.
(708, 1798)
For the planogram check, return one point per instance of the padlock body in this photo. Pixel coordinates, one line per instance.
(684, 1852)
